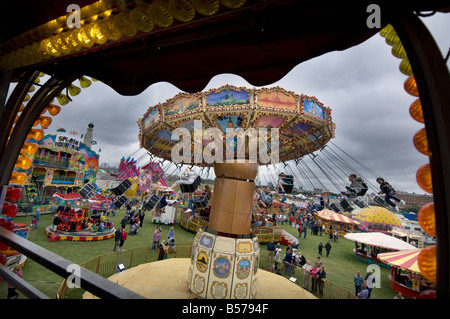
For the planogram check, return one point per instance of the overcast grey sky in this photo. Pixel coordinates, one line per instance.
(362, 85)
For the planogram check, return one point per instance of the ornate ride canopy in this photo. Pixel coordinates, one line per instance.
(272, 119)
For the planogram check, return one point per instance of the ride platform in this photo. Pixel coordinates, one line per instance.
(168, 279)
(82, 235)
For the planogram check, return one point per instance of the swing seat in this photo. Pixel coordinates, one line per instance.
(150, 204)
(288, 188)
(201, 202)
(363, 190)
(346, 206)
(190, 187)
(119, 201)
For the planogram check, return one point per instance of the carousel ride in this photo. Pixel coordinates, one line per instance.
(233, 130)
(81, 217)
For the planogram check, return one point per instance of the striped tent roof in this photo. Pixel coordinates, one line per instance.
(335, 217)
(404, 259)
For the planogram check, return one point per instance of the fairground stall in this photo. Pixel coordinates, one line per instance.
(369, 245)
(336, 222)
(406, 276)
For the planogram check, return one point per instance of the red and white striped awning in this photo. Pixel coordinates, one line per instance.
(404, 259)
(335, 217)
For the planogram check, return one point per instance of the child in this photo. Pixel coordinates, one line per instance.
(320, 248)
(166, 250)
(33, 224)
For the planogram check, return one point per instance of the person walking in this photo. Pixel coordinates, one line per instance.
(358, 282)
(141, 216)
(123, 237)
(156, 238)
(328, 247)
(117, 237)
(320, 247)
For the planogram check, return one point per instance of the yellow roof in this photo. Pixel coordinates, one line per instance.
(377, 214)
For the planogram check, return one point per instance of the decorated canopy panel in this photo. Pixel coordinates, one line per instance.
(267, 125)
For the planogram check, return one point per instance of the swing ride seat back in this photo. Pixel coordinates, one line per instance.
(87, 191)
(288, 183)
(335, 207)
(202, 202)
(122, 188)
(119, 201)
(346, 206)
(379, 200)
(150, 204)
(363, 190)
(187, 187)
(359, 203)
(288, 188)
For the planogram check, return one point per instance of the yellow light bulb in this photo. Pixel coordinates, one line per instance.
(95, 33)
(385, 30)
(23, 162)
(141, 18)
(392, 37)
(415, 110)
(427, 219)
(45, 121)
(233, 4)
(427, 263)
(29, 148)
(18, 178)
(206, 7)
(74, 90)
(107, 28)
(53, 109)
(84, 82)
(124, 25)
(181, 10)
(36, 134)
(62, 99)
(410, 86)
(421, 142)
(405, 67)
(159, 13)
(423, 177)
(398, 50)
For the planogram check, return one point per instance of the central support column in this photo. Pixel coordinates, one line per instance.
(225, 256)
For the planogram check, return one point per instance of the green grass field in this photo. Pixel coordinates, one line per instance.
(340, 266)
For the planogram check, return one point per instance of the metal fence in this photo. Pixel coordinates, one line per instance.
(106, 265)
(323, 289)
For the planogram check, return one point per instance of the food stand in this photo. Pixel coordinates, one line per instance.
(412, 283)
(335, 221)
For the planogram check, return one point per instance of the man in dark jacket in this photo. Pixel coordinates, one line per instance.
(328, 247)
(321, 275)
(117, 237)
